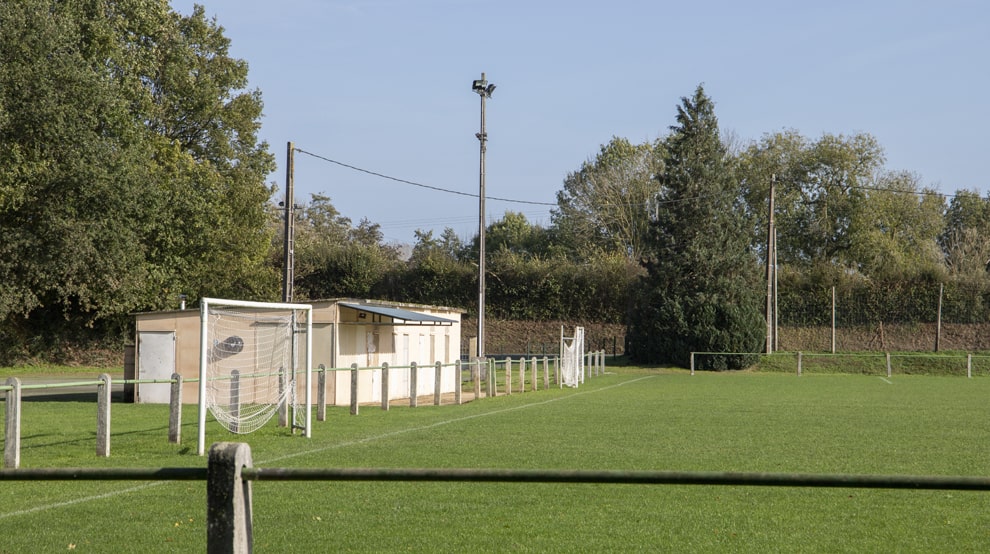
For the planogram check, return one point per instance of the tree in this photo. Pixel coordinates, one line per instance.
(965, 239)
(702, 289)
(894, 230)
(607, 204)
(130, 170)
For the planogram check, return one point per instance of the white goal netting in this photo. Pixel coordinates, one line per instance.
(254, 364)
(572, 358)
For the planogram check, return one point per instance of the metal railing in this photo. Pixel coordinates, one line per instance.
(230, 472)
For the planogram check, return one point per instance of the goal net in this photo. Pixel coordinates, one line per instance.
(254, 364)
(572, 358)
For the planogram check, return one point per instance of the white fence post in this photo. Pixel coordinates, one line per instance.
(437, 380)
(12, 425)
(413, 384)
(458, 393)
(354, 389)
(385, 400)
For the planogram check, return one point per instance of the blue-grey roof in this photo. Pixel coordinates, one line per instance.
(406, 316)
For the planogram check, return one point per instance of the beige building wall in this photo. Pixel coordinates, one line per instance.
(341, 337)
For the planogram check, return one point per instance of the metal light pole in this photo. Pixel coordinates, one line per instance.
(288, 267)
(484, 90)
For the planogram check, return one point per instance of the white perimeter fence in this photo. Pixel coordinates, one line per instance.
(489, 377)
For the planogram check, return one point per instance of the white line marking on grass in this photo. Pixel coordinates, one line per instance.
(884, 379)
(83, 499)
(318, 450)
(445, 422)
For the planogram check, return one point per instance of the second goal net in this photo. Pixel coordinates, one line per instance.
(572, 358)
(254, 364)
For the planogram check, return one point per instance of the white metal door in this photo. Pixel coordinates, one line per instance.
(156, 360)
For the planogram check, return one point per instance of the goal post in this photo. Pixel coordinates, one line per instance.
(572, 358)
(249, 364)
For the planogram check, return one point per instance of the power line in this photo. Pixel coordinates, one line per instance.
(415, 184)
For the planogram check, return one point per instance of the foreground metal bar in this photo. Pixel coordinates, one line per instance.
(105, 474)
(917, 482)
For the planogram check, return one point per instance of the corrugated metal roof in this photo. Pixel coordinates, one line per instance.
(399, 314)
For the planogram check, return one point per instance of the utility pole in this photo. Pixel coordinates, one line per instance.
(771, 268)
(484, 90)
(288, 270)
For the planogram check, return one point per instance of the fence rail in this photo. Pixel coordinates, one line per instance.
(230, 472)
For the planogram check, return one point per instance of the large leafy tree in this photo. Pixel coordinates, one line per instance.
(606, 205)
(702, 289)
(130, 169)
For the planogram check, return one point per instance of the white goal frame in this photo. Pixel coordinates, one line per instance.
(204, 307)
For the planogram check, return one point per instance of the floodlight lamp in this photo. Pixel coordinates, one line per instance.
(478, 85)
(489, 90)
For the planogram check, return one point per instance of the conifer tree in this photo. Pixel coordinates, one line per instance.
(702, 290)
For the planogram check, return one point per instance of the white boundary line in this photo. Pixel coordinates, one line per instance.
(326, 448)
(885, 380)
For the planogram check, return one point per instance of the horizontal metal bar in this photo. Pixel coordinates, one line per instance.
(623, 477)
(105, 474)
(916, 482)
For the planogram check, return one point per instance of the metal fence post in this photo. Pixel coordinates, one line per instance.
(175, 410)
(103, 417)
(228, 500)
(12, 425)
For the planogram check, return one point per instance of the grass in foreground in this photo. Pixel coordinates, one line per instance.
(635, 420)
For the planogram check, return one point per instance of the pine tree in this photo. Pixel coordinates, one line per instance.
(702, 290)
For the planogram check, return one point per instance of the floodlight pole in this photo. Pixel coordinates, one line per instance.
(288, 268)
(771, 270)
(485, 91)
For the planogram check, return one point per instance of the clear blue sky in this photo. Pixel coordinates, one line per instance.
(385, 85)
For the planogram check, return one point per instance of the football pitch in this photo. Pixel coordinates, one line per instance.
(631, 418)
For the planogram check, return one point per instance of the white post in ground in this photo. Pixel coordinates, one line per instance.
(413, 385)
(228, 499)
(437, 381)
(12, 425)
(354, 389)
(385, 401)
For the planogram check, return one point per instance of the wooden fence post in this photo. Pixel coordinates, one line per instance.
(103, 416)
(175, 410)
(546, 372)
(12, 425)
(522, 374)
(229, 529)
(532, 363)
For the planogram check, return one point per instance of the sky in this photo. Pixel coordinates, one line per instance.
(385, 86)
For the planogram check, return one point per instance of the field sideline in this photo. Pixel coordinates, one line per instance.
(632, 419)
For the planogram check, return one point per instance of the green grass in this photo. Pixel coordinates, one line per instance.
(636, 419)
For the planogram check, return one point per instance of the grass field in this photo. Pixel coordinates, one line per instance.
(632, 419)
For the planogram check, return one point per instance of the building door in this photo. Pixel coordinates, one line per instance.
(156, 360)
